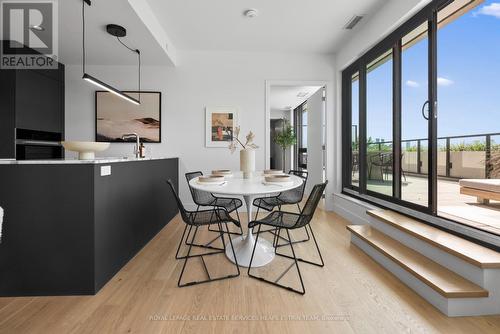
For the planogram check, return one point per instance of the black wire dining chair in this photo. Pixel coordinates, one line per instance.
(289, 197)
(290, 221)
(196, 219)
(204, 198)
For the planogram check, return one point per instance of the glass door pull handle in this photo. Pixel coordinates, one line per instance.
(423, 110)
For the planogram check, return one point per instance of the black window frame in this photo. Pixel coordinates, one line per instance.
(298, 128)
(393, 41)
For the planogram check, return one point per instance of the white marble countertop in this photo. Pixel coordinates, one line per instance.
(76, 161)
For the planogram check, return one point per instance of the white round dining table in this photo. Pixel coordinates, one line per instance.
(249, 189)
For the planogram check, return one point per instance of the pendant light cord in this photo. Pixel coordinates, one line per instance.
(83, 34)
(138, 52)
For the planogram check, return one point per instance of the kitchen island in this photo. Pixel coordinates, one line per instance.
(71, 225)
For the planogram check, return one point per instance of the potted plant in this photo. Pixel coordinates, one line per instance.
(247, 153)
(285, 139)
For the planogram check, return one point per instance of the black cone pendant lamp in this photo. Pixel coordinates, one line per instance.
(118, 32)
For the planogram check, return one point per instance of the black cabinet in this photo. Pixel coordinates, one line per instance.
(39, 102)
(31, 100)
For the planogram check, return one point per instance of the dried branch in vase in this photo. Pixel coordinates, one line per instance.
(248, 144)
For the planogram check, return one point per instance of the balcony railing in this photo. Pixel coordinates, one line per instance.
(466, 156)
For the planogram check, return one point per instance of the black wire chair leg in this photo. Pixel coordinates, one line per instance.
(275, 237)
(317, 247)
(207, 245)
(194, 236)
(296, 265)
(275, 282)
(321, 264)
(253, 252)
(233, 251)
(296, 241)
(183, 268)
(257, 213)
(229, 232)
(201, 256)
(239, 220)
(221, 233)
(181, 241)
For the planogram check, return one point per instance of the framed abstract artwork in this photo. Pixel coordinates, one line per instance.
(220, 123)
(116, 117)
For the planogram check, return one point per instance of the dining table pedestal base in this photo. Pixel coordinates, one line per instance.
(243, 247)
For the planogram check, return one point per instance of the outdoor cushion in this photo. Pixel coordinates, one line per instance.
(492, 185)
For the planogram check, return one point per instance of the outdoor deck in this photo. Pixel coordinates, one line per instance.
(451, 204)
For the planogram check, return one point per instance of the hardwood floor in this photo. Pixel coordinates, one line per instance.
(351, 294)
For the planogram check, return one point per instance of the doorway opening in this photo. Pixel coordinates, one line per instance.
(301, 108)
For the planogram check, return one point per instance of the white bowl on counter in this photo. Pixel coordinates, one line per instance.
(86, 149)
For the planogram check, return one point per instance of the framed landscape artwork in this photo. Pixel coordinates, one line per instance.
(116, 117)
(220, 125)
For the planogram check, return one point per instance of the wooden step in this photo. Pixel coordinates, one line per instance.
(466, 250)
(442, 280)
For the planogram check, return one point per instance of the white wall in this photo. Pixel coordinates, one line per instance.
(315, 106)
(201, 79)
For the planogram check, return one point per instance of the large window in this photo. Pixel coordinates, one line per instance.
(354, 130)
(300, 121)
(397, 147)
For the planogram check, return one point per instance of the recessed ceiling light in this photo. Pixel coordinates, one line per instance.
(302, 94)
(251, 13)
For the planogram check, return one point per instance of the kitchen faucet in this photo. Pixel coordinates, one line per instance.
(137, 139)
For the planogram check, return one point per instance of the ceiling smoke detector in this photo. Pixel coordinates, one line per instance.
(353, 22)
(251, 13)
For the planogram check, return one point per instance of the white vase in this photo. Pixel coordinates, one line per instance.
(247, 162)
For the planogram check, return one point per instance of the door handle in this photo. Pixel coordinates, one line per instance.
(426, 103)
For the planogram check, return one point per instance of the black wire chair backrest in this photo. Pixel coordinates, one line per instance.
(312, 203)
(295, 195)
(199, 197)
(184, 214)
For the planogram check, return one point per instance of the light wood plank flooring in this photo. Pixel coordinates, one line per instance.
(351, 294)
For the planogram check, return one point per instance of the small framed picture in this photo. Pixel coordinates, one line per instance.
(220, 123)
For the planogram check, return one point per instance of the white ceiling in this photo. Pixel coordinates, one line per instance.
(285, 97)
(301, 26)
(312, 26)
(102, 48)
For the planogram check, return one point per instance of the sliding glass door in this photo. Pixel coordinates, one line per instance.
(379, 112)
(421, 113)
(389, 99)
(388, 113)
(415, 109)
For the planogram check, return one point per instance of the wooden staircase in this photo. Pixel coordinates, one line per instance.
(455, 275)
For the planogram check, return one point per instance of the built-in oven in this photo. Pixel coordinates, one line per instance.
(38, 145)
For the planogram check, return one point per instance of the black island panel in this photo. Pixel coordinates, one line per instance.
(68, 230)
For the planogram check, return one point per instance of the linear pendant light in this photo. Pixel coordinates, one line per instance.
(95, 81)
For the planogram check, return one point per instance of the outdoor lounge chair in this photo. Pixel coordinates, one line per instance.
(483, 189)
